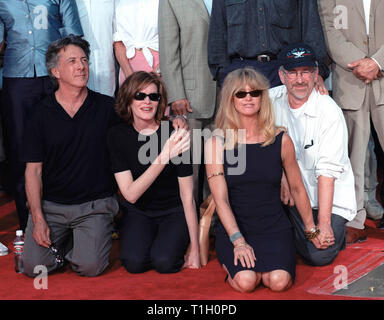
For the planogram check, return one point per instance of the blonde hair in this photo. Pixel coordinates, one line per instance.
(228, 118)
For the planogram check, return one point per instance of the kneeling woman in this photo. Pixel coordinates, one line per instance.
(159, 213)
(254, 239)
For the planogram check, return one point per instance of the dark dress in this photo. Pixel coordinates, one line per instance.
(254, 196)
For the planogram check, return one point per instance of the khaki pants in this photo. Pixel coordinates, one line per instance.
(358, 124)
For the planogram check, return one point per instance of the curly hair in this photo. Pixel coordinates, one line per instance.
(134, 83)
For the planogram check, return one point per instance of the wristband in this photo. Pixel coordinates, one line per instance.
(235, 236)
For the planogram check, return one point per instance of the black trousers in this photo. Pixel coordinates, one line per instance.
(20, 95)
(157, 242)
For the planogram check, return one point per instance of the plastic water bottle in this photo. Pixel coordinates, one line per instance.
(18, 247)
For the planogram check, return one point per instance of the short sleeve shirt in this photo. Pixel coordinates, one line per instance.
(76, 166)
(132, 151)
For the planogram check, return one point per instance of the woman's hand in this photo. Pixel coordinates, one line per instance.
(243, 252)
(178, 122)
(192, 259)
(178, 142)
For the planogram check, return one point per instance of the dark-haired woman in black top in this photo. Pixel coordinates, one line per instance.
(160, 216)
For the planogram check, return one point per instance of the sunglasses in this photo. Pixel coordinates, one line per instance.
(152, 96)
(59, 260)
(243, 94)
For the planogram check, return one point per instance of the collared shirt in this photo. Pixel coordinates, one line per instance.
(96, 19)
(367, 9)
(30, 26)
(208, 4)
(240, 28)
(323, 150)
(136, 26)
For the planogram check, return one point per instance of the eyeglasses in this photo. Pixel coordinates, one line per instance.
(152, 96)
(294, 74)
(243, 94)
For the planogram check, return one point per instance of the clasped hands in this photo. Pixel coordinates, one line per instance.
(366, 70)
(325, 238)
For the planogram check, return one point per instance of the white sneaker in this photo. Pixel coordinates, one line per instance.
(3, 250)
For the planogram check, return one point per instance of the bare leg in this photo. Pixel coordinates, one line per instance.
(244, 281)
(277, 280)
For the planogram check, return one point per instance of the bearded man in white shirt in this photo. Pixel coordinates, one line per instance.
(318, 130)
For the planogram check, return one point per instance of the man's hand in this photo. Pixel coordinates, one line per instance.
(41, 233)
(365, 69)
(320, 86)
(326, 236)
(180, 107)
(285, 194)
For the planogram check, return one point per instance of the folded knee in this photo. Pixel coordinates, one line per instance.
(322, 257)
(166, 265)
(134, 265)
(246, 281)
(279, 281)
(90, 268)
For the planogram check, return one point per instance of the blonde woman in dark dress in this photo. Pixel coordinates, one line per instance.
(254, 240)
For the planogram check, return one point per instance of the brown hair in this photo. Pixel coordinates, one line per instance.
(134, 83)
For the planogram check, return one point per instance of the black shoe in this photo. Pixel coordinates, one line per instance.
(381, 225)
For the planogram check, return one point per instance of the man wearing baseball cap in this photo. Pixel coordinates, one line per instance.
(318, 130)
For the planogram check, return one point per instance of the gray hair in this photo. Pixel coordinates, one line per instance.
(52, 55)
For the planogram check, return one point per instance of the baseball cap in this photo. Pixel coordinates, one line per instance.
(297, 55)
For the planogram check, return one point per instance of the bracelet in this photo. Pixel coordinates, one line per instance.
(215, 174)
(313, 233)
(243, 244)
(235, 236)
(181, 116)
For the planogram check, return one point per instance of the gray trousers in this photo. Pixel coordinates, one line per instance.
(306, 249)
(81, 232)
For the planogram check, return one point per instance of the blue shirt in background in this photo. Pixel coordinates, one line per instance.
(29, 26)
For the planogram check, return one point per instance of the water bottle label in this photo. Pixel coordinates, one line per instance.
(18, 249)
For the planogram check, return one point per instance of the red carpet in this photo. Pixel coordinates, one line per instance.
(312, 283)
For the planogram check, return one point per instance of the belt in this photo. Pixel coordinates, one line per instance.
(265, 57)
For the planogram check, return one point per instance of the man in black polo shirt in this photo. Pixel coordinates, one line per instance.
(251, 33)
(69, 184)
